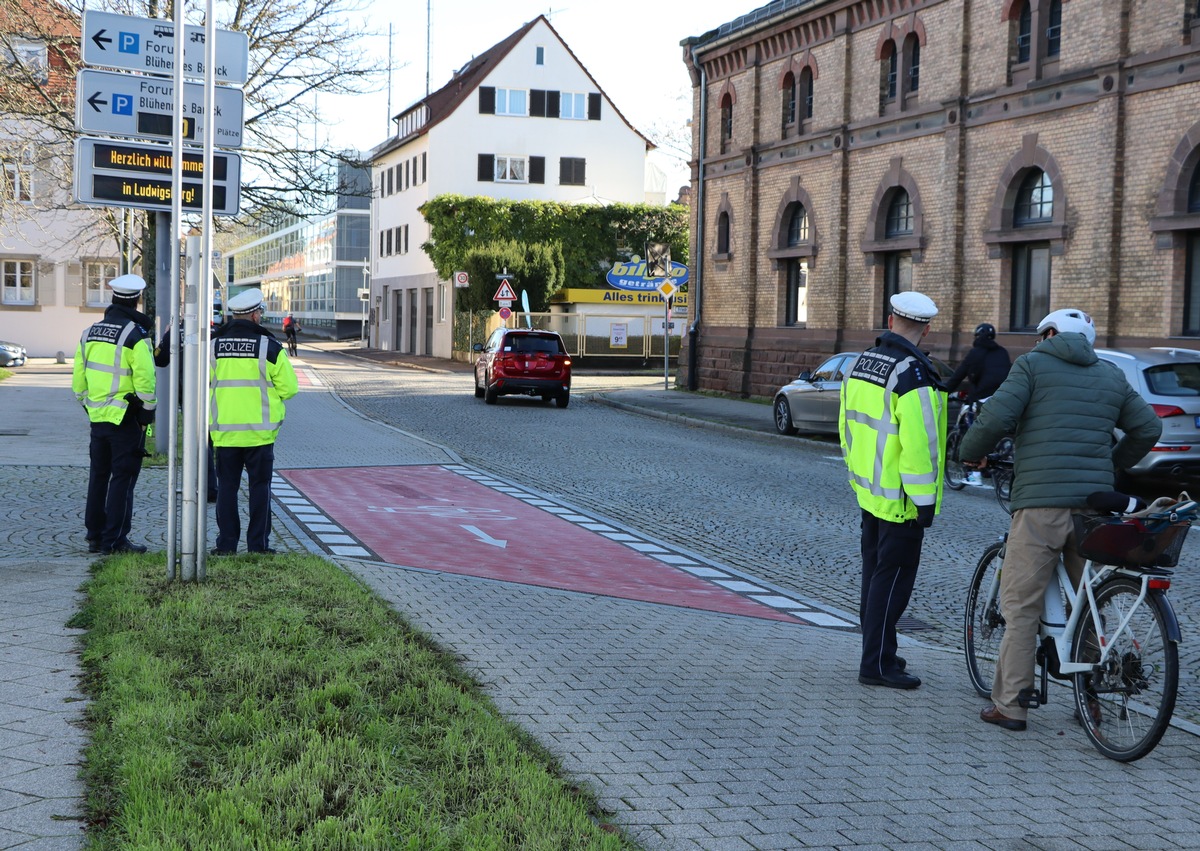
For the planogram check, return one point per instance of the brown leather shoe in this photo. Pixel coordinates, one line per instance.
(992, 715)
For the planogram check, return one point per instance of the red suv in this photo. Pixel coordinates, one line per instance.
(521, 360)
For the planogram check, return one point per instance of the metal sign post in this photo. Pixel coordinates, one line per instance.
(658, 265)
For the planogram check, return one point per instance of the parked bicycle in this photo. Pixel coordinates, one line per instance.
(1114, 637)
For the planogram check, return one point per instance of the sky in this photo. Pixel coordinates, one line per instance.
(630, 47)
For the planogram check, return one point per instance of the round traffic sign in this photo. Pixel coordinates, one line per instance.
(461, 279)
(505, 313)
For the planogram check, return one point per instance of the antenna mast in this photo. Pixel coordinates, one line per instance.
(428, 31)
(388, 118)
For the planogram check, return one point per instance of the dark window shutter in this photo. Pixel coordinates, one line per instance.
(487, 100)
(424, 169)
(487, 167)
(537, 103)
(537, 169)
(580, 172)
(594, 106)
(552, 110)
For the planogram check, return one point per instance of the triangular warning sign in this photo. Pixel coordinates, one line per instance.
(505, 293)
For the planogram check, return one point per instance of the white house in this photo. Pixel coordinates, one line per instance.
(523, 120)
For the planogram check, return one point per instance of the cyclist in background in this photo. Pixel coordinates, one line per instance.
(1062, 403)
(985, 366)
(290, 327)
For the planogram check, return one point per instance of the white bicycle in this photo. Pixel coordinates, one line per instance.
(1114, 637)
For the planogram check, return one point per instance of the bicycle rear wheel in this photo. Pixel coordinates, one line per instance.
(956, 475)
(983, 625)
(1125, 705)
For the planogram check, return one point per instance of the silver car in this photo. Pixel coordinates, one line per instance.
(11, 354)
(810, 403)
(1169, 379)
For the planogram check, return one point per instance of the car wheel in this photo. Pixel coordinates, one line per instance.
(478, 390)
(563, 399)
(491, 394)
(783, 416)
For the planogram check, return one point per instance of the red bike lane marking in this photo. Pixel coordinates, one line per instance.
(433, 518)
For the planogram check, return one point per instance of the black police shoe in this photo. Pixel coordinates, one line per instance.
(93, 545)
(269, 551)
(216, 552)
(123, 547)
(893, 679)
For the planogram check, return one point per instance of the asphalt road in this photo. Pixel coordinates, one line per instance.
(779, 510)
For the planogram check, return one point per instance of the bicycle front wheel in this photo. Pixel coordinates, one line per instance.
(983, 625)
(956, 475)
(1125, 704)
(1002, 479)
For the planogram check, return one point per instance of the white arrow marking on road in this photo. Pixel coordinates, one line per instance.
(485, 537)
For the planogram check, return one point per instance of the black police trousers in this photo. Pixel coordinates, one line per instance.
(115, 451)
(890, 555)
(259, 463)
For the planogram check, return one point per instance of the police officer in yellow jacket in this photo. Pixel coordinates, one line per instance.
(114, 381)
(250, 376)
(892, 423)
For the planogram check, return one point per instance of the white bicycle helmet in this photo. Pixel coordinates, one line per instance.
(1069, 321)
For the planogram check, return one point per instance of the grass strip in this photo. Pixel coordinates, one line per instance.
(5, 373)
(282, 705)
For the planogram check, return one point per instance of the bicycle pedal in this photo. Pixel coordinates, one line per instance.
(1029, 698)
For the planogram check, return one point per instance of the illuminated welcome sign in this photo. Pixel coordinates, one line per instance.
(632, 276)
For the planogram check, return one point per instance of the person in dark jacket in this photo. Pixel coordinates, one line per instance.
(1062, 403)
(985, 366)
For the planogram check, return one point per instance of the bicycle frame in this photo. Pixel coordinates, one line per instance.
(1052, 626)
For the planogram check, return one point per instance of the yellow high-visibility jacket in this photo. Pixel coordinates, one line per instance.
(250, 376)
(114, 358)
(892, 425)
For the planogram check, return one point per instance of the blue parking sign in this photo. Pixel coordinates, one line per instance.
(122, 104)
(129, 42)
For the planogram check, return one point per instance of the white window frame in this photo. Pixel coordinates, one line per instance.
(96, 273)
(18, 176)
(573, 106)
(30, 54)
(505, 102)
(16, 278)
(510, 169)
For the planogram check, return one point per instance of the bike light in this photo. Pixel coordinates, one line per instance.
(1158, 583)
(1164, 411)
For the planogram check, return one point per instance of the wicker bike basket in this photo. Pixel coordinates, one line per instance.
(1130, 541)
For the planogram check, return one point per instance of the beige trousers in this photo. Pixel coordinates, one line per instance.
(1036, 539)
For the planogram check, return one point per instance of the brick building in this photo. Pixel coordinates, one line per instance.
(1007, 157)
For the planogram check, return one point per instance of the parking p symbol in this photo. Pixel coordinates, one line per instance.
(122, 104)
(128, 43)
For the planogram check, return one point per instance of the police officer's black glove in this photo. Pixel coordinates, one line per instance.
(924, 516)
(143, 416)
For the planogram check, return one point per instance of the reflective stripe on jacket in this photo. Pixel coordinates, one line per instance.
(113, 359)
(250, 377)
(892, 426)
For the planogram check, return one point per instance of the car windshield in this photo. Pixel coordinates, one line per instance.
(532, 343)
(1174, 379)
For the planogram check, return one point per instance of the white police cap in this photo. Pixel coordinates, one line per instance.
(913, 305)
(246, 302)
(127, 286)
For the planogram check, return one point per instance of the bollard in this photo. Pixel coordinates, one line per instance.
(59, 357)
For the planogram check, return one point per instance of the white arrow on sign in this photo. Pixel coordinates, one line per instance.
(485, 537)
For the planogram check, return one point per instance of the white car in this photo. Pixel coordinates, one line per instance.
(11, 354)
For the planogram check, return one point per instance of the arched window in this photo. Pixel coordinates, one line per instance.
(912, 55)
(789, 102)
(1035, 200)
(1194, 192)
(723, 233)
(798, 227)
(1025, 33)
(726, 123)
(1054, 29)
(888, 73)
(899, 215)
(806, 94)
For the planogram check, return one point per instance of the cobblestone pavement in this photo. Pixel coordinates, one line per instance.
(697, 730)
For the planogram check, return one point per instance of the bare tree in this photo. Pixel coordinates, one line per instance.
(298, 50)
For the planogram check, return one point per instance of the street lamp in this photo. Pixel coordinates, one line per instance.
(364, 296)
